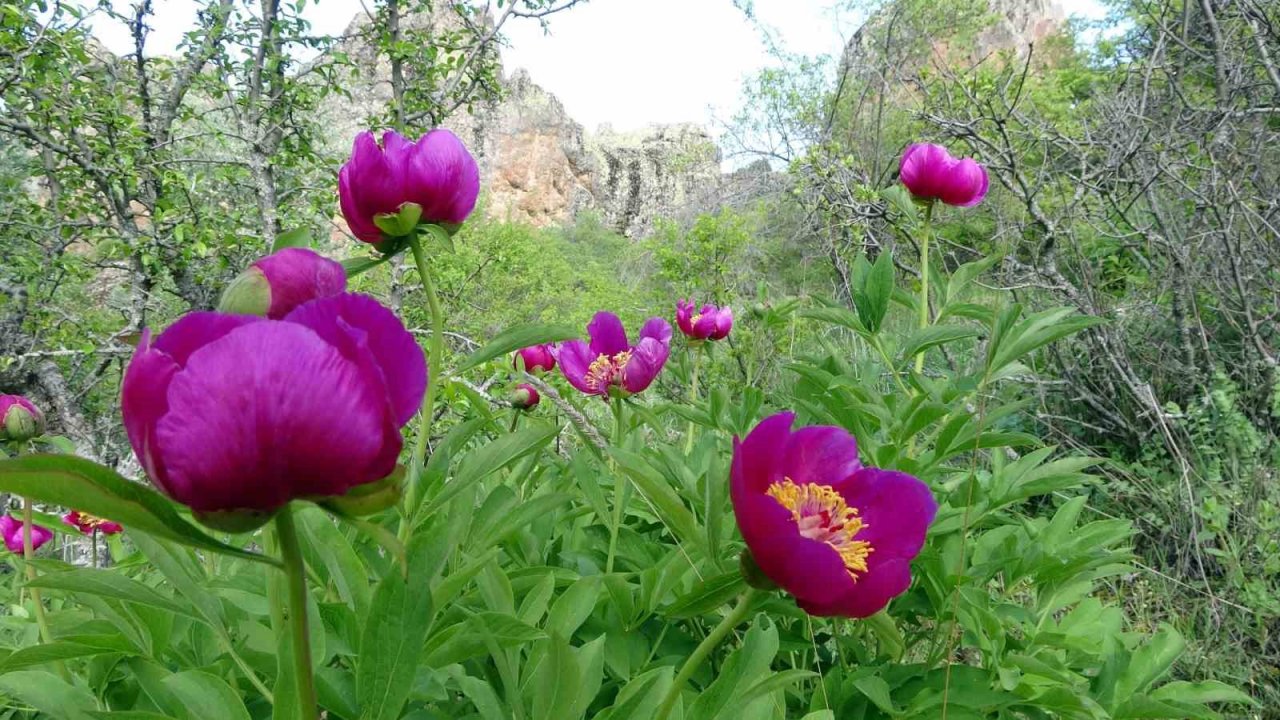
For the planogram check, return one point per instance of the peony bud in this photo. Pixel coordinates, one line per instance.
(276, 284)
(536, 358)
(931, 173)
(386, 190)
(524, 397)
(20, 419)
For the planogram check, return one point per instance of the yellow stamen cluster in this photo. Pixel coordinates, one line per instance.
(822, 514)
(89, 521)
(607, 370)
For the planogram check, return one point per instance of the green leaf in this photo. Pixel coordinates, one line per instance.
(573, 608)
(966, 274)
(75, 482)
(1207, 691)
(837, 316)
(515, 338)
(671, 509)
(331, 547)
(356, 265)
(747, 663)
(48, 694)
(109, 583)
(297, 237)
(498, 454)
(206, 697)
(872, 297)
(24, 658)
(394, 634)
(555, 682)
(707, 595)
(930, 337)
(1149, 662)
(770, 684)
(877, 691)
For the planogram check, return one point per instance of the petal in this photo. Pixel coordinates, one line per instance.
(40, 536)
(822, 454)
(195, 330)
(360, 224)
(684, 313)
(883, 581)
(608, 337)
(373, 185)
(754, 457)
(443, 178)
(344, 321)
(896, 507)
(705, 327)
(575, 359)
(923, 169)
(658, 329)
(143, 401)
(8, 525)
(724, 324)
(269, 413)
(967, 184)
(646, 362)
(297, 275)
(805, 568)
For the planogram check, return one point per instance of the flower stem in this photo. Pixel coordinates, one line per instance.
(925, 231)
(435, 352)
(28, 552)
(619, 485)
(704, 649)
(296, 575)
(693, 397)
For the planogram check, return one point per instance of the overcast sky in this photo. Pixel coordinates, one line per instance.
(628, 63)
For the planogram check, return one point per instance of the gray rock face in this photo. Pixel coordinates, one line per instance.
(540, 166)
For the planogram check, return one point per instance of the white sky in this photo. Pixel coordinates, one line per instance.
(628, 63)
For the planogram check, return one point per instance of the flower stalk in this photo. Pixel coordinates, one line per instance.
(300, 645)
(693, 396)
(435, 353)
(619, 485)
(925, 232)
(711, 642)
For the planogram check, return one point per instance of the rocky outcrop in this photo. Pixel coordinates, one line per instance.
(538, 165)
(908, 38)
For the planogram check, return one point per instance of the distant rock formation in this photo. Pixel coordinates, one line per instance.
(1007, 25)
(540, 166)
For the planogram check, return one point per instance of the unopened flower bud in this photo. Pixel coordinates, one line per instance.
(276, 284)
(20, 419)
(524, 397)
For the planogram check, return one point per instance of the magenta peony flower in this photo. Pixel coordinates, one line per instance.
(536, 358)
(709, 323)
(930, 173)
(610, 361)
(11, 531)
(838, 536)
(276, 284)
(86, 523)
(235, 412)
(436, 173)
(20, 419)
(524, 397)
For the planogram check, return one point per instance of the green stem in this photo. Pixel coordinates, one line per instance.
(28, 552)
(925, 231)
(515, 420)
(704, 649)
(296, 575)
(435, 353)
(693, 397)
(619, 485)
